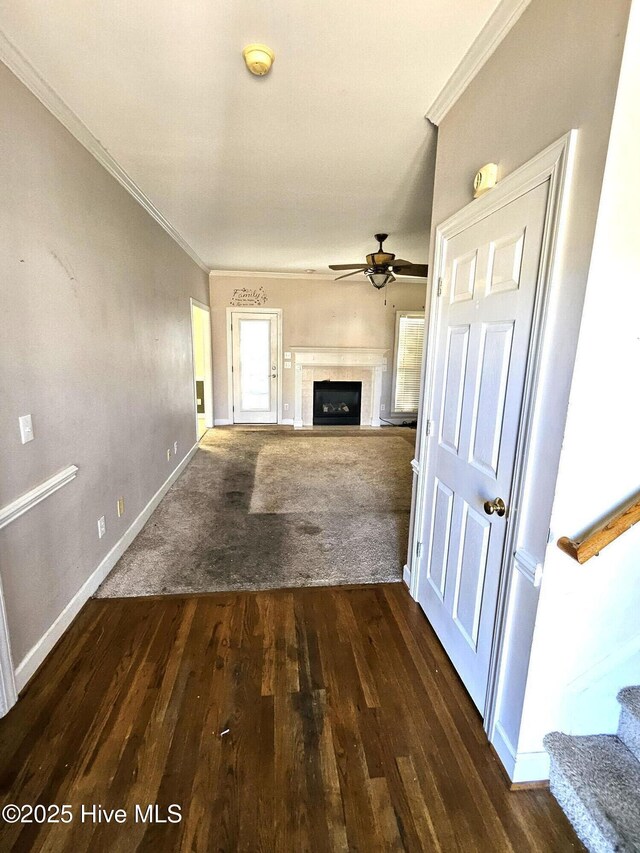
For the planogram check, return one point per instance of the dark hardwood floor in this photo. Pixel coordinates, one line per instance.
(305, 720)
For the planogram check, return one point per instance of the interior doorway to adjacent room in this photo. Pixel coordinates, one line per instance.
(202, 384)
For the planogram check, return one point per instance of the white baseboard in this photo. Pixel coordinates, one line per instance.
(222, 422)
(520, 766)
(287, 421)
(406, 576)
(35, 656)
(531, 767)
(590, 703)
(504, 748)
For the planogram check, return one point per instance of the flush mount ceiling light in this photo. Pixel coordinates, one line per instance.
(258, 58)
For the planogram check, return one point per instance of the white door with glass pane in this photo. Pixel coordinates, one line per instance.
(485, 317)
(255, 366)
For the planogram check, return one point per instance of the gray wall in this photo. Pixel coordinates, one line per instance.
(315, 312)
(556, 70)
(587, 637)
(95, 344)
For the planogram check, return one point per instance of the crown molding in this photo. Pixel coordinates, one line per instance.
(504, 16)
(306, 276)
(268, 274)
(33, 80)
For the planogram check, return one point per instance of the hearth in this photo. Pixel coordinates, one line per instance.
(336, 403)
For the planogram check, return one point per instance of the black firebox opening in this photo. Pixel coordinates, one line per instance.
(336, 403)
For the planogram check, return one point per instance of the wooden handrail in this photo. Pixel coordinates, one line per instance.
(606, 533)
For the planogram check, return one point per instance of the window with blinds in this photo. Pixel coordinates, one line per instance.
(408, 361)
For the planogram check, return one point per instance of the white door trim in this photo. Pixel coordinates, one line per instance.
(8, 690)
(554, 164)
(208, 370)
(250, 309)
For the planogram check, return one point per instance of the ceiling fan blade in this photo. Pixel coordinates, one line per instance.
(420, 270)
(347, 266)
(398, 262)
(355, 272)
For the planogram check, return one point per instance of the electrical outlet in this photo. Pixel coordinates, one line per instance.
(382, 407)
(102, 527)
(175, 448)
(120, 507)
(168, 454)
(286, 407)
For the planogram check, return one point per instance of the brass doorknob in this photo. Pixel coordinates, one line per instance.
(496, 506)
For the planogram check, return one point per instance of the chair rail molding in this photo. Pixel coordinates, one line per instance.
(505, 15)
(36, 655)
(9, 513)
(29, 499)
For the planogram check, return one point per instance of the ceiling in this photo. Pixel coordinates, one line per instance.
(284, 173)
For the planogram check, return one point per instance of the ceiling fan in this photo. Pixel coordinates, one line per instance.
(381, 266)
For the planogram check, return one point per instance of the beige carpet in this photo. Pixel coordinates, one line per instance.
(261, 509)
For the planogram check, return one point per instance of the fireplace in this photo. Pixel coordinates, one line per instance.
(336, 403)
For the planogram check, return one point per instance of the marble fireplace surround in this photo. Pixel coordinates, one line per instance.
(339, 364)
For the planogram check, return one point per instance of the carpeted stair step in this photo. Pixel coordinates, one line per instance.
(596, 780)
(629, 724)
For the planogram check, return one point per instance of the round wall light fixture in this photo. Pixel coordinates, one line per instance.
(258, 58)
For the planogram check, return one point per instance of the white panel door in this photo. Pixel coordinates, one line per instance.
(485, 318)
(255, 367)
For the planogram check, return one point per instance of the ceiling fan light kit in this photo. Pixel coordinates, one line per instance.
(258, 58)
(380, 279)
(381, 266)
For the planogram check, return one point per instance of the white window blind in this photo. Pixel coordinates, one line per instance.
(408, 361)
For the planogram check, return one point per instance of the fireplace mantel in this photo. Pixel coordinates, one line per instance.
(317, 363)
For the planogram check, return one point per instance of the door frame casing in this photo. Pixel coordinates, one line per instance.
(250, 309)
(554, 165)
(8, 689)
(208, 368)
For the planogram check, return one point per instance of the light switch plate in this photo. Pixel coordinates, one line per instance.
(287, 365)
(287, 356)
(26, 428)
(102, 527)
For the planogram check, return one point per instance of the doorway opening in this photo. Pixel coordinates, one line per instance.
(202, 384)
